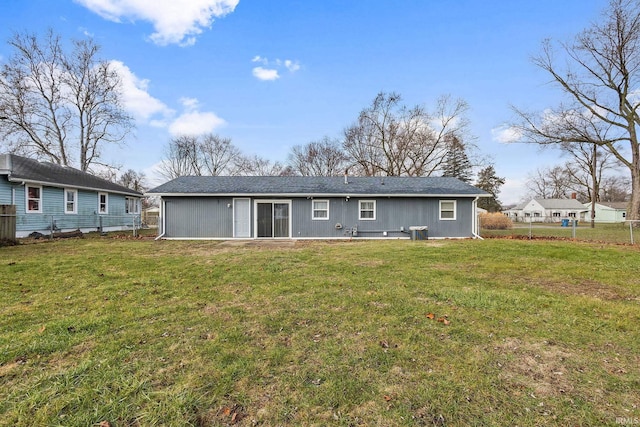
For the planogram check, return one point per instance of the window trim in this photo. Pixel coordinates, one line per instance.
(314, 210)
(27, 198)
(106, 203)
(136, 205)
(454, 210)
(360, 210)
(66, 201)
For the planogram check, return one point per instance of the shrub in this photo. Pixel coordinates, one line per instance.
(495, 221)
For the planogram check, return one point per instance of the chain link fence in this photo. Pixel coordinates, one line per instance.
(627, 232)
(51, 226)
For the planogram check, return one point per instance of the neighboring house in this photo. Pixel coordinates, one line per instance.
(547, 210)
(50, 197)
(208, 207)
(608, 212)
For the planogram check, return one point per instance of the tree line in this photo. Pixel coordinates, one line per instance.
(387, 139)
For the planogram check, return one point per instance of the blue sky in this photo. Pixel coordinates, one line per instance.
(271, 74)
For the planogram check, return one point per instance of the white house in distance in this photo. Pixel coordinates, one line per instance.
(608, 212)
(547, 210)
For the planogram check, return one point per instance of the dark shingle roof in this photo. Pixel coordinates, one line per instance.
(314, 185)
(23, 169)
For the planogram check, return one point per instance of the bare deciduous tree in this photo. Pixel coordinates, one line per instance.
(550, 183)
(181, 158)
(600, 80)
(318, 158)
(259, 166)
(394, 140)
(133, 180)
(201, 155)
(62, 106)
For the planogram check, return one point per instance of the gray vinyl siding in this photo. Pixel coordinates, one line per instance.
(392, 215)
(198, 217)
(212, 217)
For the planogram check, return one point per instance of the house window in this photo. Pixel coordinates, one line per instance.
(447, 210)
(367, 210)
(557, 215)
(103, 203)
(70, 201)
(320, 209)
(132, 205)
(572, 215)
(34, 198)
(537, 214)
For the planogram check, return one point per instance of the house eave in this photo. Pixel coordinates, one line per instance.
(12, 178)
(313, 195)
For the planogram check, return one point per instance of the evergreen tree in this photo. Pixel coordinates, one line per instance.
(456, 163)
(491, 183)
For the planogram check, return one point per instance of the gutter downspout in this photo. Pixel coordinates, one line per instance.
(474, 226)
(162, 220)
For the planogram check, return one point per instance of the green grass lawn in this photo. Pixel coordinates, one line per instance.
(124, 332)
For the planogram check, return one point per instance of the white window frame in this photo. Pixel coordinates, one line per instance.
(68, 191)
(106, 204)
(314, 210)
(27, 199)
(132, 202)
(360, 210)
(454, 210)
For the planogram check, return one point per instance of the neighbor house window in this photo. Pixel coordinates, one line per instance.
(572, 215)
(70, 201)
(34, 198)
(132, 205)
(557, 214)
(447, 210)
(103, 203)
(320, 209)
(367, 210)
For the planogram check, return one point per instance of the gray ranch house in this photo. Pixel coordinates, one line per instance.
(51, 198)
(295, 207)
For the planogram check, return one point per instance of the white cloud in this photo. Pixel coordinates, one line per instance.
(270, 68)
(174, 22)
(506, 134)
(265, 73)
(291, 65)
(189, 104)
(135, 96)
(195, 123)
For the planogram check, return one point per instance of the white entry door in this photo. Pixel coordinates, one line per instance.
(241, 218)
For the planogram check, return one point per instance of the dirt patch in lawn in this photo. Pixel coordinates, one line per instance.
(588, 288)
(541, 367)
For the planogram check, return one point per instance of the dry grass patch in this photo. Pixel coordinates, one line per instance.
(541, 367)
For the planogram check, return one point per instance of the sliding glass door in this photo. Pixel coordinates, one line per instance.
(272, 219)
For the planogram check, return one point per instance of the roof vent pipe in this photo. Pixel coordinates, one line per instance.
(346, 176)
